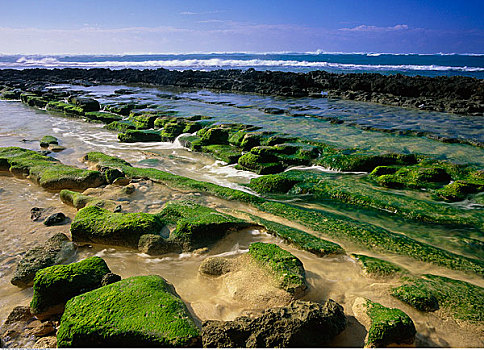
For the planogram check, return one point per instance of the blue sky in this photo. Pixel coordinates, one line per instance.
(149, 26)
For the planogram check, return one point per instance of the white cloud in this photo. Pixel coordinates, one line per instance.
(365, 28)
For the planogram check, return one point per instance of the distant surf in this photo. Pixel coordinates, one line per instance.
(409, 64)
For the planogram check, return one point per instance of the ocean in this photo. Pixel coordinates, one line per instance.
(471, 65)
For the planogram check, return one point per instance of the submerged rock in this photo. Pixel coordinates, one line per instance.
(56, 250)
(386, 326)
(301, 324)
(48, 140)
(215, 266)
(135, 312)
(54, 285)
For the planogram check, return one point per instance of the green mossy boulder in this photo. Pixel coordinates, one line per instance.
(414, 177)
(33, 100)
(103, 117)
(287, 270)
(66, 108)
(121, 125)
(143, 121)
(377, 267)
(47, 172)
(213, 136)
(227, 153)
(136, 312)
(79, 201)
(140, 136)
(48, 140)
(259, 164)
(54, 285)
(386, 326)
(458, 190)
(10, 94)
(58, 249)
(197, 226)
(463, 300)
(98, 225)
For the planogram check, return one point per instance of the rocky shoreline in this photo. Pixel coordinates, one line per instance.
(460, 95)
(84, 304)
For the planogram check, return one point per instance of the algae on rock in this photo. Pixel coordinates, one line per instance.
(138, 311)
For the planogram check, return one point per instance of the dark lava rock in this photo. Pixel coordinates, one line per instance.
(54, 219)
(301, 324)
(56, 250)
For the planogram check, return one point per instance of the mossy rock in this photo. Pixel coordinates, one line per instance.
(463, 300)
(130, 136)
(255, 163)
(196, 225)
(138, 311)
(79, 200)
(103, 117)
(97, 225)
(121, 125)
(458, 190)
(378, 267)
(48, 140)
(123, 109)
(66, 108)
(300, 239)
(33, 100)
(47, 172)
(87, 104)
(287, 269)
(227, 153)
(387, 326)
(213, 136)
(272, 184)
(143, 121)
(54, 285)
(10, 94)
(414, 177)
(353, 160)
(191, 141)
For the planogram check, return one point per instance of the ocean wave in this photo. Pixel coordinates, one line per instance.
(53, 62)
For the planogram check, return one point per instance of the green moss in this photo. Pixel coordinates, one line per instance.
(197, 225)
(465, 301)
(85, 103)
(371, 236)
(259, 164)
(285, 267)
(458, 190)
(10, 94)
(326, 223)
(94, 224)
(56, 284)
(388, 326)
(121, 125)
(78, 200)
(135, 312)
(191, 141)
(351, 190)
(123, 109)
(47, 140)
(46, 171)
(227, 153)
(414, 177)
(213, 136)
(300, 239)
(172, 129)
(33, 100)
(140, 136)
(102, 117)
(143, 121)
(65, 108)
(378, 267)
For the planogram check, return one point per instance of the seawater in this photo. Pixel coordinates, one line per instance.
(471, 65)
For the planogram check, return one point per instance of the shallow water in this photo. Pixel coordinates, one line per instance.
(338, 278)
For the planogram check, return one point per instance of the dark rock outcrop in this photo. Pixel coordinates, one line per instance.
(301, 324)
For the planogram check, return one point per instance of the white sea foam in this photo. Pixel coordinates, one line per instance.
(52, 62)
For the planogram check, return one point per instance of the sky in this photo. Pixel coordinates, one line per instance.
(183, 26)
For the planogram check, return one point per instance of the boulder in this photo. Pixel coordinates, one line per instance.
(300, 324)
(56, 250)
(97, 225)
(138, 311)
(54, 219)
(48, 140)
(54, 285)
(385, 326)
(215, 266)
(46, 343)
